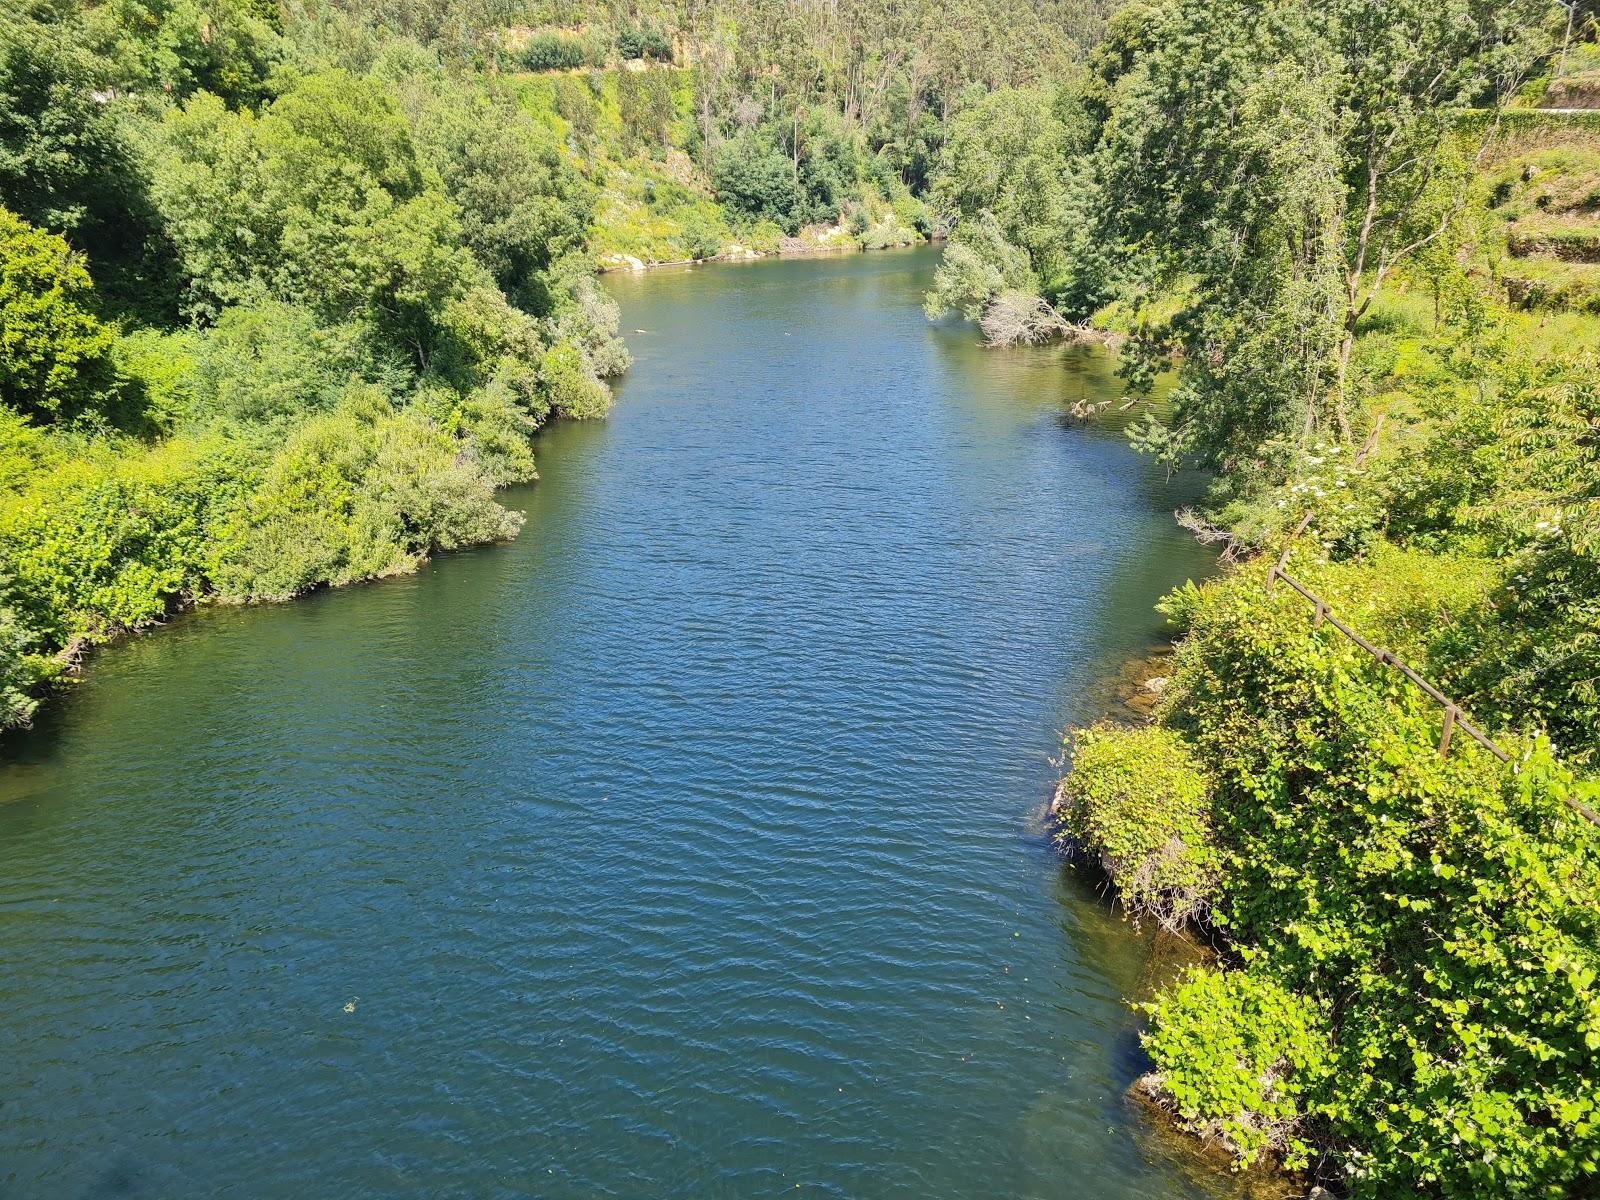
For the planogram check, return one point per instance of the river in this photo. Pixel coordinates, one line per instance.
(688, 846)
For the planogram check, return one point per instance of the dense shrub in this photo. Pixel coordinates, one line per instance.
(589, 320)
(551, 50)
(362, 492)
(977, 267)
(63, 163)
(1136, 799)
(643, 41)
(522, 204)
(830, 167)
(756, 180)
(226, 47)
(17, 674)
(571, 384)
(1015, 163)
(266, 364)
(1436, 913)
(109, 543)
(322, 201)
(1237, 1057)
(647, 108)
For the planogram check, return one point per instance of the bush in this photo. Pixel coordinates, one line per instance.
(17, 674)
(756, 180)
(570, 383)
(1235, 1057)
(110, 543)
(1136, 800)
(54, 352)
(496, 423)
(362, 492)
(977, 265)
(830, 167)
(271, 363)
(551, 50)
(646, 107)
(643, 41)
(1436, 912)
(702, 237)
(1015, 318)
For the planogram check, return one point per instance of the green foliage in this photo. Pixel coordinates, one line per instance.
(359, 493)
(1437, 911)
(54, 352)
(830, 168)
(571, 384)
(1408, 1001)
(1016, 163)
(1236, 1057)
(976, 267)
(552, 50)
(522, 204)
(1136, 799)
(643, 41)
(111, 542)
(226, 47)
(757, 181)
(385, 265)
(17, 673)
(270, 364)
(1284, 162)
(156, 368)
(62, 162)
(647, 109)
(321, 201)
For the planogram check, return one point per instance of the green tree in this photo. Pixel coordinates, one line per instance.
(226, 47)
(1282, 160)
(522, 203)
(756, 180)
(54, 352)
(62, 162)
(1020, 155)
(322, 200)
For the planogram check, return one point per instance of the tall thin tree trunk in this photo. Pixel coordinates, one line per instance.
(1566, 41)
(1341, 411)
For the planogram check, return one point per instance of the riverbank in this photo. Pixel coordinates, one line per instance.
(23, 685)
(1394, 923)
(827, 240)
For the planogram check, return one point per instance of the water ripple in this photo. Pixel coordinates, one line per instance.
(682, 848)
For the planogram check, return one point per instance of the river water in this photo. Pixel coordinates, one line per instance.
(686, 847)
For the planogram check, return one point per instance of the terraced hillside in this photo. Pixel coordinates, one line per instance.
(1542, 196)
